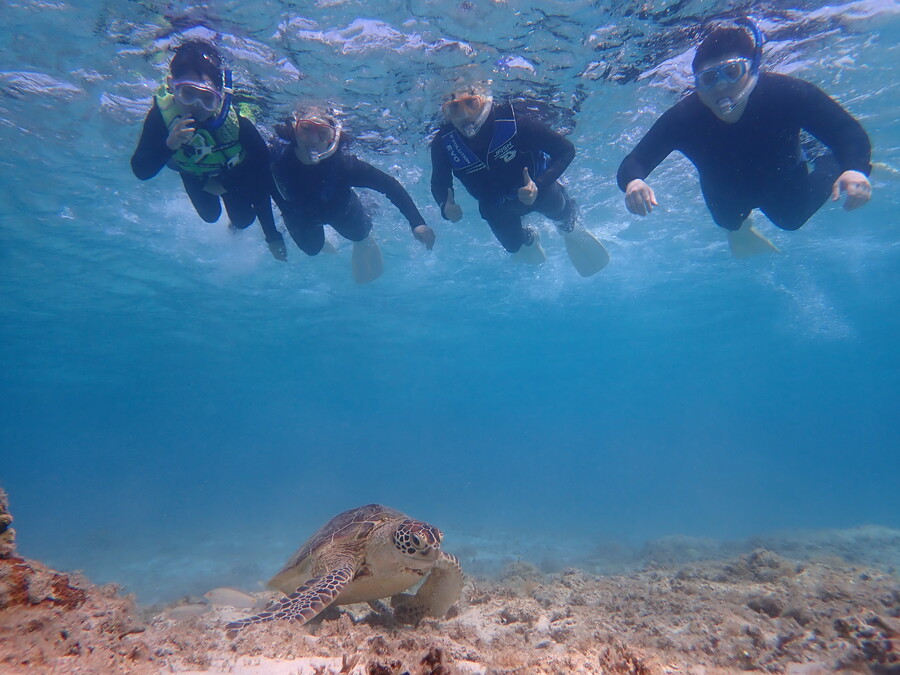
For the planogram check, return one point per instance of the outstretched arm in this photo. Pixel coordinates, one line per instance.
(152, 153)
(652, 149)
(657, 144)
(363, 174)
(442, 179)
(825, 119)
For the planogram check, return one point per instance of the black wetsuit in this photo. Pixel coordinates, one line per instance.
(535, 146)
(757, 162)
(248, 186)
(313, 195)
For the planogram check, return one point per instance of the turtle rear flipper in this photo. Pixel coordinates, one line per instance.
(441, 589)
(304, 603)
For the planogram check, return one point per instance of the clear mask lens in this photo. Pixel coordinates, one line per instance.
(194, 94)
(729, 71)
(321, 137)
(469, 104)
(314, 131)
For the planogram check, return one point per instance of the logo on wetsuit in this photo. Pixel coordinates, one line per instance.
(508, 152)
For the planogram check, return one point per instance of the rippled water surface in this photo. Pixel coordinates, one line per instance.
(180, 411)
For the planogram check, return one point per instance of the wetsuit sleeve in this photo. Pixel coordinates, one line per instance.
(259, 171)
(538, 137)
(441, 174)
(653, 148)
(363, 174)
(825, 119)
(152, 153)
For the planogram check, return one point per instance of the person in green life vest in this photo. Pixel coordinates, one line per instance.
(220, 156)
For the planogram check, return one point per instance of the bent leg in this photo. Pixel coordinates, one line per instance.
(727, 211)
(791, 207)
(239, 205)
(207, 205)
(354, 224)
(309, 236)
(555, 203)
(506, 224)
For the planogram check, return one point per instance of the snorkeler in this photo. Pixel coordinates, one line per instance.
(314, 178)
(194, 129)
(511, 164)
(741, 130)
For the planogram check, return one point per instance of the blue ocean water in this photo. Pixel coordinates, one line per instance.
(178, 410)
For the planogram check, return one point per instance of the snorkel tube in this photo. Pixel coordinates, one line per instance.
(316, 157)
(758, 41)
(472, 128)
(219, 120)
(728, 104)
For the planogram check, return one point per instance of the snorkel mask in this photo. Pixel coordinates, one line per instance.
(194, 94)
(733, 70)
(228, 90)
(468, 104)
(318, 128)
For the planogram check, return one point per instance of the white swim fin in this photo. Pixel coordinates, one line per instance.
(748, 242)
(587, 254)
(367, 261)
(532, 254)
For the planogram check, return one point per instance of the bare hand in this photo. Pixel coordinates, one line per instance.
(639, 198)
(182, 132)
(857, 187)
(452, 210)
(424, 234)
(528, 192)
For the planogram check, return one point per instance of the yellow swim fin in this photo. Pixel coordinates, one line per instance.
(366, 261)
(532, 254)
(587, 254)
(748, 242)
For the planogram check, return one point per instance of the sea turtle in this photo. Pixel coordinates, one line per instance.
(363, 555)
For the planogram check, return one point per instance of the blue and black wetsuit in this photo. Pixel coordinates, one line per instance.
(313, 195)
(248, 185)
(490, 166)
(757, 162)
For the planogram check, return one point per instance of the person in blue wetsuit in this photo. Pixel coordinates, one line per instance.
(193, 129)
(511, 164)
(741, 129)
(314, 179)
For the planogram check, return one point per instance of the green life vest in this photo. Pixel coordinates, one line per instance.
(209, 153)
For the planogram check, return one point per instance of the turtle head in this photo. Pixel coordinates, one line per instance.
(418, 540)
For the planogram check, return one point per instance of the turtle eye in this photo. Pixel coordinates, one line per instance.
(416, 541)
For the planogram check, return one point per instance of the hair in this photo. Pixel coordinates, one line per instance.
(196, 56)
(725, 41)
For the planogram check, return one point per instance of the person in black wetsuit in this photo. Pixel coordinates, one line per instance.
(741, 130)
(193, 129)
(314, 178)
(511, 164)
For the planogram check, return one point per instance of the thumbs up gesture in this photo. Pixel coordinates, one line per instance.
(529, 191)
(452, 210)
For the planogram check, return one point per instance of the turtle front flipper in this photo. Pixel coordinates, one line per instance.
(441, 589)
(304, 603)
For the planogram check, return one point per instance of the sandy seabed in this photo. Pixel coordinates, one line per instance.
(800, 605)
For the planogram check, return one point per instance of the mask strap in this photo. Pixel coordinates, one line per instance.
(758, 40)
(226, 104)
